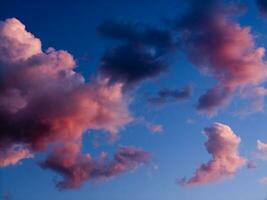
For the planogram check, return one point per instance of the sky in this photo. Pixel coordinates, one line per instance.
(134, 100)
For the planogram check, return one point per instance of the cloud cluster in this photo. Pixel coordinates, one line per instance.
(166, 95)
(76, 168)
(222, 49)
(45, 103)
(141, 56)
(223, 145)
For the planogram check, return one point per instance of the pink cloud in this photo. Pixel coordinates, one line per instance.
(76, 168)
(155, 128)
(223, 145)
(44, 102)
(16, 43)
(13, 155)
(222, 49)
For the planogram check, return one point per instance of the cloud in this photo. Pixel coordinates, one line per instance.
(13, 155)
(155, 128)
(45, 103)
(219, 47)
(166, 95)
(262, 180)
(262, 150)
(262, 5)
(251, 164)
(76, 168)
(131, 64)
(223, 145)
(141, 56)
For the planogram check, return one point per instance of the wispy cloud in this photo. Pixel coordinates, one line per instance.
(76, 168)
(166, 95)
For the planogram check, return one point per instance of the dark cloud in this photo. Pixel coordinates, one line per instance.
(262, 5)
(214, 98)
(141, 56)
(161, 39)
(167, 95)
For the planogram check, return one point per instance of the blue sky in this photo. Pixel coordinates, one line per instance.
(178, 150)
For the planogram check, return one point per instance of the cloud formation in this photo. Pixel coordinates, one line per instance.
(141, 56)
(223, 145)
(76, 168)
(222, 49)
(166, 95)
(45, 103)
(155, 128)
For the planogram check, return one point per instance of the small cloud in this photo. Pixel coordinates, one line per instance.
(166, 95)
(155, 128)
(251, 165)
(263, 180)
(261, 151)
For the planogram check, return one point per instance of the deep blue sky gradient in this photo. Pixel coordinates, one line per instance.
(71, 25)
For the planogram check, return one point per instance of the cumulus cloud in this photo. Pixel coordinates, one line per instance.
(76, 168)
(223, 145)
(222, 49)
(166, 95)
(141, 56)
(45, 103)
